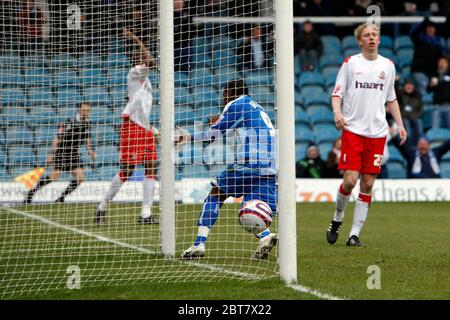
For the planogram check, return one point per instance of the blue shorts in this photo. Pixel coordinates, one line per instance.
(237, 184)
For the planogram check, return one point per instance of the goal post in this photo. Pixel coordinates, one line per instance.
(167, 204)
(284, 88)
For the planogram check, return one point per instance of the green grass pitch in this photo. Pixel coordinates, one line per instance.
(409, 242)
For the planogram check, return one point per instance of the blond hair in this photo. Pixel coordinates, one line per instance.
(359, 29)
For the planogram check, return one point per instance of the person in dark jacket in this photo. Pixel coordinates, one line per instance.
(428, 47)
(422, 161)
(311, 166)
(411, 107)
(330, 169)
(309, 46)
(256, 50)
(440, 86)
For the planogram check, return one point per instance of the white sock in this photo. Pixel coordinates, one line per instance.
(114, 188)
(147, 200)
(341, 203)
(360, 216)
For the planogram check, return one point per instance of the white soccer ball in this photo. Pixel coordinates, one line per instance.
(255, 216)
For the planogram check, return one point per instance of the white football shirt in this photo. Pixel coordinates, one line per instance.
(140, 96)
(365, 86)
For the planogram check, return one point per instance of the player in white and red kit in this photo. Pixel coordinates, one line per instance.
(365, 83)
(137, 141)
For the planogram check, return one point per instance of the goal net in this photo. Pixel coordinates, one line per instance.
(78, 176)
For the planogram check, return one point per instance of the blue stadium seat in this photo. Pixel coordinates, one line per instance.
(351, 51)
(21, 156)
(45, 134)
(42, 153)
(386, 42)
(326, 134)
(104, 135)
(310, 79)
(331, 60)
(65, 78)
(12, 96)
(153, 76)
(321, 115)
(223, 76)
(349, 42)
(16, 115)
(106, 173)
(63, 60)
(223, 42)
(331, 44)
(201, 60)
(68, 98)
(107, 155)
(297, 65)
(201, 77)
(19, 135)
(96, 96)
(387, 53)
(330, 70)
(396, 170)
(298, 99)
(438, 135)
(300, 150)
(317, 98)
(181, 79)
(3, 157)
(117, 45)
(405, 57)
(183, 96)
(262, 94)
(330, 80)
(43, 115)
(201, 45)
(206, 96)
(118, 96)
(101, 115)
(304, 135)
(224, 58)
(116, 61)
(89, 61)
(36, 61)
(324, 149)
(91, 77)
(395, 155)
(301, 117)
(402, 42)
(11, 77)
(427, 97)
(37, 78)
(445, 170)
(11, 59)
(253, 78)
(65, 112)
(38, 97)
(117, 77)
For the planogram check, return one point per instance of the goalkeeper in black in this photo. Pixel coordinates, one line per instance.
(65, 155)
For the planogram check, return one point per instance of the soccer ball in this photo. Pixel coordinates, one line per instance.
(255, 216)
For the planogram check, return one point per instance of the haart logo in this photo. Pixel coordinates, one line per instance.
(368, 85)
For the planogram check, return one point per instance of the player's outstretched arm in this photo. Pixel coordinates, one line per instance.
(394, 109)
(55, 145)
(144, 54)
(90, 150)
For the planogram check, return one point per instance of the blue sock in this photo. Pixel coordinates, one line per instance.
(209, 215)
(263, 234)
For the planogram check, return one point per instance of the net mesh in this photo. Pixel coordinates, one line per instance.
(58, 59)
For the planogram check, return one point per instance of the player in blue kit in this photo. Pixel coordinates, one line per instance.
(252, 175)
